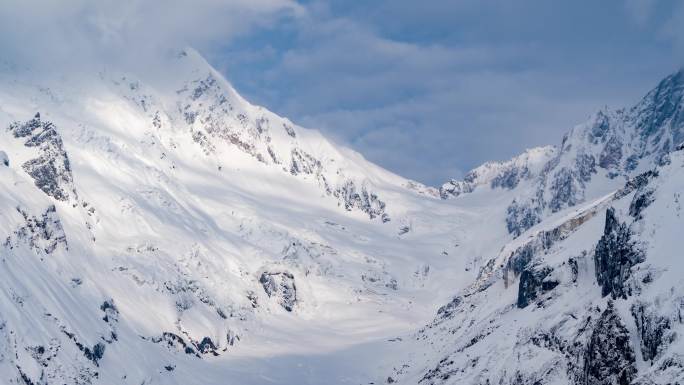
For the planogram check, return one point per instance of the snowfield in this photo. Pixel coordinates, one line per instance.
(159, 229)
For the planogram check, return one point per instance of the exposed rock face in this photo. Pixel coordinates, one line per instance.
(280, 285)
(654, 330)
(456, 188)
(609, 358)
(614, 257)
(50, 171)
(611, 154)
(213, 118)
(304, 163)
(522, 216)
(533, 282)
(175, 342)
(642, 199)
(362, 199)
(567, 184)
(44, 234)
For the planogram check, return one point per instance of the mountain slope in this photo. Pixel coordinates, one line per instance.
(159, 229)
(589, 290)
(591, 295)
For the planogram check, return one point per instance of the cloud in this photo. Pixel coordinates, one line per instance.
(431, 89)
(69, 31)
(426, 89)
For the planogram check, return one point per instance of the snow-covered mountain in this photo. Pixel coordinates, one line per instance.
(159, 229)
(590, 290)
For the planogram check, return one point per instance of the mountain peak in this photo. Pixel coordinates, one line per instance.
(662, 109)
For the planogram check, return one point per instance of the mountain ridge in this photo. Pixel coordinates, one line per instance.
(158, 228)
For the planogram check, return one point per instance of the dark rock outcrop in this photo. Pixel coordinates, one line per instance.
(614, 257)
(533, 282)
(642, 199)
(361, 199)
(175, 342)
(280, 285)
(522, 216)
(654, 330)
(304, 163)
(609, 359)
(43, 234)
(207, 346)
(51, 170)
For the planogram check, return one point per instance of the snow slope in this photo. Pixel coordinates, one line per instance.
(159, 229)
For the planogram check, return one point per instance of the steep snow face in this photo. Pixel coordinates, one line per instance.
(592, 295)
(157, 228)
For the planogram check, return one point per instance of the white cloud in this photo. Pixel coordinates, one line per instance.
(64, 30)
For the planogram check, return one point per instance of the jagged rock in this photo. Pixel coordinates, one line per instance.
(600, 127)
(201, 138)
(567, 185)
(663, 107)
(290, 130)
(521, 257)
(642, 199)
(280, 285)
(637, 183)
(43, 234)
(363, 200)
(653, 329)
(111, 312)
(611, 154)
(609, 358)
(449, 309)
(614, 257)
(304, 163)
(509, 178)
(207, 346)
(522, 216)
(533, 282)
(51, 170)
(454, 188)
(175, 342)
(4, 159)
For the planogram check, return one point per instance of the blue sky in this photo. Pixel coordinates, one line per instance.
(427, 89)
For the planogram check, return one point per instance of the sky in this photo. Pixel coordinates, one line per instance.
(428, 89)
